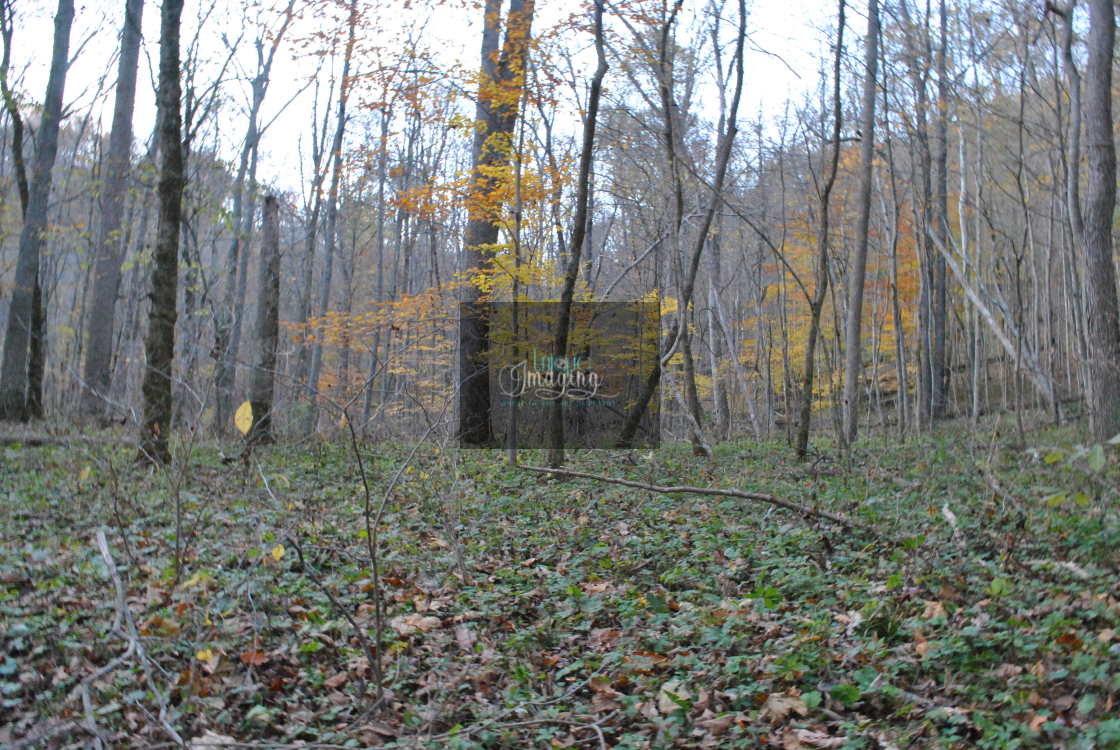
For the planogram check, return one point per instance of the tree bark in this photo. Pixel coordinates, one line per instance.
(107, 266)
(501, 78)
(159, 347)
(1103, 315)
(268, 324)
(579, 231)
(853, 344)
(14, 375)
(816, 304)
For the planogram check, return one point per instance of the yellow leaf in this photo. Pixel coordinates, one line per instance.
(343, 421)
(204, 654)
(278, 552)
(84, 475)
(244, 418)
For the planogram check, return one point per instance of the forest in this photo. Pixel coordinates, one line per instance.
(623, 374)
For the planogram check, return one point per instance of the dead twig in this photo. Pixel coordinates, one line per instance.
(757, 497)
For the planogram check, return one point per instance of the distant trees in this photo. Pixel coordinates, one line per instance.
(943, 250)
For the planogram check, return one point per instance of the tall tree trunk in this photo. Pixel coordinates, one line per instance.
(14, 372)
(107, 266)
(579, 232)
(501, 78)
(1100, 202)
(939, 370)
(816, 304)
(268, 324)
(159, 347)
(853, 344)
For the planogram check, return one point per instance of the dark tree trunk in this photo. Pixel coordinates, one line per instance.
(1100, 202)
(579, 231)
(268, 326)
(159, 346)
(107, 266)
(14, 376)
(816, 304)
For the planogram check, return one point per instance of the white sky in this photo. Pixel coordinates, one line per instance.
(785, 36)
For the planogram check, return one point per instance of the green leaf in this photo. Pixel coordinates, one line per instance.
(1054, 457)
(999, 587)
(846, 694)
(812, 698)
(1056, 499)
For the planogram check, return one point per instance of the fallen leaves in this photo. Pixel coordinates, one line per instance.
(780, 705)
(804, 739)
(407, 625)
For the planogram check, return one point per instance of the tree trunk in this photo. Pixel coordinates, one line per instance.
(14, 372)
(330, 232)
(159, 347)
(853, 344)
(816, 304)
(268, 324)
(501, 78)
(107, 266)
(1100, 202)
(579, 231)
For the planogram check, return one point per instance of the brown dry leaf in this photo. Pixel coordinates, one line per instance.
(1005, 671)
(778, 706)
(601, 639)
(254, 658)
(670, 690)
(1036, 722)
(809, 738)
(211, 739)
(597, 587)
(409, 624)
(921, 645)
(336, 681)
(716, 725)
(933, 610)
(602, 703)
(338, 699)
(465, 637)
(602, 686)
(1106, 635)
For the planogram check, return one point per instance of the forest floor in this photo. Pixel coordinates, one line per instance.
(524, 612)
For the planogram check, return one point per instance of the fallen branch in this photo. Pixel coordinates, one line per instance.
(131, 636)
(758, 497)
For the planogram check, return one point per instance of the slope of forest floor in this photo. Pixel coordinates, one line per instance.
(523, 612)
